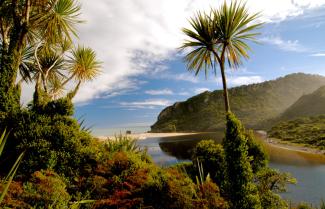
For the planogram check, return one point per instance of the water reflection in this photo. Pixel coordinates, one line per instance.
(309, 169)
(180, 147)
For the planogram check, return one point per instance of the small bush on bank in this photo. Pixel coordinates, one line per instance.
(46, 189)
(212, 157)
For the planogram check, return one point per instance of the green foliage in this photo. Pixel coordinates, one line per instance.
(9, 93)
(8, 179)
(269, 183)
(62, 106)
(121, 143)
(50, 141)
(169, 189)
(257, 152)
(212, 157)
(220, 36)
(46, 189)
(308, 105)
(253, 104)
(240, 187)
(83, 64)
(305, 130)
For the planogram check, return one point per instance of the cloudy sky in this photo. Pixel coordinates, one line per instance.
(143, 72)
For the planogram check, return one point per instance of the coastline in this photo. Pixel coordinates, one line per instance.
(273, 142)
(278, 143)
(144, 136)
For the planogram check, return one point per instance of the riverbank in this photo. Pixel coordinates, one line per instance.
(278, 143)
(144, 136)
(261, 134)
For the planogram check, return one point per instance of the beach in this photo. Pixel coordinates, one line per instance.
(143, 136)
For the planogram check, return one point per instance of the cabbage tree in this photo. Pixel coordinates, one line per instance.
(218, 37)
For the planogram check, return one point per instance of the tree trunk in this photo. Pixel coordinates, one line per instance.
(10, 60)
(9, 92)
(224, 83)
(73, 93)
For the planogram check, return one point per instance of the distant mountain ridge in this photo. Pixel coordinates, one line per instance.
(253, 104)
(307, 105)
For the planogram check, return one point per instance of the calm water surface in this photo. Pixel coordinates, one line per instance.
(308, 169)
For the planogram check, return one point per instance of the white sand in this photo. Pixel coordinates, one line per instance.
(143, 136)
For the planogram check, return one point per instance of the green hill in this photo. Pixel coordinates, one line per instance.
(253, 104)
(307, 105)
(304, 130)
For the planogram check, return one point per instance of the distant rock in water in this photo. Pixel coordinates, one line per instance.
(253, 104)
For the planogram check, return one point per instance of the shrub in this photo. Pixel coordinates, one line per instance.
(240, 187)
(209, 195)
(269, 182)
(211, 156)
(121, 143)
(257, 152)
(13, 198)
(54, 142)
(169, 189)
(46, 189)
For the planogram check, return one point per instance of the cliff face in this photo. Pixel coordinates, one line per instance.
(253, 104)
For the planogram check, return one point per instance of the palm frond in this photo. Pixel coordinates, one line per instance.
(200, 43)
(234, 27)
(60, 21)
(26, 66)
(83, 64)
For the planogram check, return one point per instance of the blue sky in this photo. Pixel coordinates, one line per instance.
(143, 72)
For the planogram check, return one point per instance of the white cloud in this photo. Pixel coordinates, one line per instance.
(318, 55)
(244, 80)
(200, 90)
(132, 36)
(185, 77)
(160, 92)
(150, 103)
(184, 93)
(285, 45)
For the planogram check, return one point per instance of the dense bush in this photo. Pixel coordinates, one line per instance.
(50, 141)
(13, 198)
(239, 174)
(305, 130)
(270, 182)
(209, 195)
(46, 189)
(259, 157)
(212, 157)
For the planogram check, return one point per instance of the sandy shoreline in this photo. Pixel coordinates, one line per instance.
(143, 136)
(269, 141)
(287, 145)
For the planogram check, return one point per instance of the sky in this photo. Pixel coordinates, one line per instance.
(142, 69)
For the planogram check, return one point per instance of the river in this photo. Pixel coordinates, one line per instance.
(307, 168)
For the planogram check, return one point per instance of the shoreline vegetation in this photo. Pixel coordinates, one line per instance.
(51, 160)
(274, 142)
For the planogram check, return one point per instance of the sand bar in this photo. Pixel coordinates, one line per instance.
(143, 136)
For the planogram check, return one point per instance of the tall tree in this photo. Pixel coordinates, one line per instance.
(220, 36)
(22, 23)
(240, 188)
(53, 67)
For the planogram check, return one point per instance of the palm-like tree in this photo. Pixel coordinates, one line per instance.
(218, 37)
(27, 23)
(83, 66)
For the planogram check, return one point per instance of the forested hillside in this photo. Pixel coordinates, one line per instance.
(253, 104)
